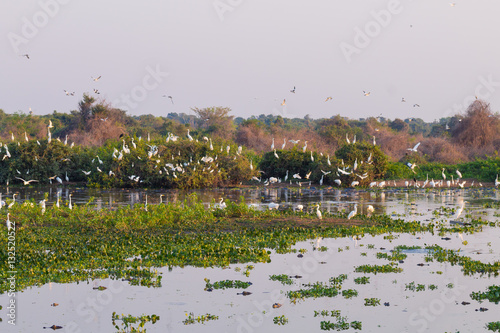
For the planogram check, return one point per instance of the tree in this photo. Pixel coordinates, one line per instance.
(216, 121)
(478, 128)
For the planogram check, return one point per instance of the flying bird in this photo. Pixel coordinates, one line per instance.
(366, 93)
(96, 92)
(171, 98)
(414, 148)
(293, 90)
(69, 93)
(26, 182)
(96, 78)
(329, 98)
(284, 102)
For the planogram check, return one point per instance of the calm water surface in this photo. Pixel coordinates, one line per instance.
(83, 309)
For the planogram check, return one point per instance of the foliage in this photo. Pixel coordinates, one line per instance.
(378, 269)
(127, 321)
(192, 319)
(283, 278)
(492, 294)
(226, 284)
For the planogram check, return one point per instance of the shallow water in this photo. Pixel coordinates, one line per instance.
(83, 309)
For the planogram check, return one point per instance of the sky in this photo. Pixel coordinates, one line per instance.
(249, 55)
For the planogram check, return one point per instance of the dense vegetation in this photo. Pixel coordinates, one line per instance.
(103, 146)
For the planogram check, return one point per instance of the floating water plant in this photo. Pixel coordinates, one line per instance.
(493, 326)
(378, 269)
(372, 301)
(128, 321)
(280, 320)
(192, 319)
(226, 284)
(492, 294)
(283, 278)
(362, 280)
(349, 293)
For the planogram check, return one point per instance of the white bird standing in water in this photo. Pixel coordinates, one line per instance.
(460, 210)
(70, 206)
(318, 213)
(354, 212)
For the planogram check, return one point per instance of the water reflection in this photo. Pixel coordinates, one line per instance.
(401, 202)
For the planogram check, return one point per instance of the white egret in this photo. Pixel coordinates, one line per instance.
(70, 206)
(305, 147)
(496, 181)
(66, 177)
(275, 154)
(370, 209)
(297, 176)
(273, 205)
(442, 174)
(300, 207)
(459, 174)
(318, 212)
(26, 182)
(328, 160)
(312, 157)
(12, 202)
(354, 212)
(308, 174)
(8, 223)
(347, 139)
(321, 180)
(337, 181)
(414, 149)
(294, 141)
(42, 204)
(189, 136)
(284, 144)
(354, 183)
(57, 202)
(460, 210)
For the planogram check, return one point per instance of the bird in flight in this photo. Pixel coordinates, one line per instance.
(403, 100)
(69, 93)
(414, 148)
(366, 93)
(25, 55)
(96, 91)
(96, 78)
(416, 105)
(329, 98)
(293, 90)
(27, 182)
(452, 4)
(171, 99)
(284, 102)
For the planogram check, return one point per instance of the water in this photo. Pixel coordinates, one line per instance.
(83, 309)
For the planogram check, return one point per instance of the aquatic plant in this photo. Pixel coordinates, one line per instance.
(493, 326)
(372, 301)
(492, 294)
(362, 280)
(349, 293)
(280, 320)
(226, 284)
(283, 278)
(192, 319)
(389, 268)
(128, 321)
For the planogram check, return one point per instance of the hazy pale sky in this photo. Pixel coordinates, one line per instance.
(248, 55)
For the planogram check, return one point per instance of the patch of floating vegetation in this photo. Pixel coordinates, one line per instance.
(128, 321)
(362, 280)
(280, 320)
(349, 293)
(283, 278)
(226, 284)
(395, 256)
(469, 266)
(492, 295)
(372, 301)
(192, 319)
(389, 268)
(341, 323)
(493, 326)
(318, 289)
(130, 243)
